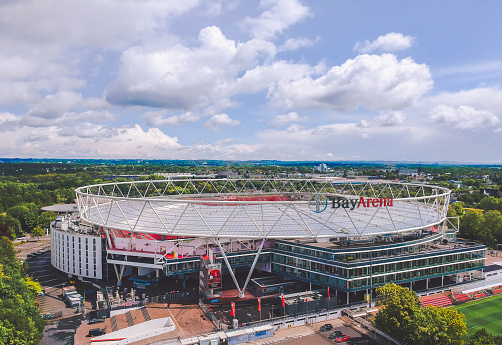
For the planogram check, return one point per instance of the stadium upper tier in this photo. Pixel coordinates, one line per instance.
(267, 208)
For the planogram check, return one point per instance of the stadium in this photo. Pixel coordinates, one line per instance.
(350, 236)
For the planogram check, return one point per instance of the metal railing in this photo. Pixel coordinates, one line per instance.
(219, 325)
(369, 326)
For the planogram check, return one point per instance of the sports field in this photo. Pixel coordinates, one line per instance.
(485, 313)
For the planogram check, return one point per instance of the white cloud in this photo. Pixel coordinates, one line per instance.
(266, 76)
(92, 142)
(44, 44)
(215, 122)
(158, 119)
(88, 130)
(186, 78)
(375, 82)
(296, 43)
(482, 97)
(282, 120)
(391, 118)
(110, 24)
(390, 42)
(295, 128)
(463, 117)
(4, 117)
(277, 16)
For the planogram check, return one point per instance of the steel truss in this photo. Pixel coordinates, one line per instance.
(261, 209)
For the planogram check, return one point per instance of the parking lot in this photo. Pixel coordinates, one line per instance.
(52, 281)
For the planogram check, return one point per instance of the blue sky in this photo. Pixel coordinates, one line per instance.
(271, 79)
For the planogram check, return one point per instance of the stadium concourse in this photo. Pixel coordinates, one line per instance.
(217, 235)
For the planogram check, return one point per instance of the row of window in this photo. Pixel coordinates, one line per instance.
(377, 269)
(339, 283)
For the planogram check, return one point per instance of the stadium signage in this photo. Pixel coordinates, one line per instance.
(362, 202)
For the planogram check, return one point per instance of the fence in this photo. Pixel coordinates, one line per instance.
(128, 305)
(173, 296)
(283, 321)
(211, 317)
(176, 296)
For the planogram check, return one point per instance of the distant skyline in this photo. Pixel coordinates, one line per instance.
(252, 80)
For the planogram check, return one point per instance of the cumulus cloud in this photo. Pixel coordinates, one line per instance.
(45, 43)
(94, 141)
(266, 76)
(375, 82)
(215, 122)
(282, 120)
(391, 118)
(277, 16)
(463, 117)
(186, 78)
(390, 42)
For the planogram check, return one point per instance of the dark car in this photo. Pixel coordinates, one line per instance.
(96, 331)
(342, 338)
(93, 321)
(326, 327)
(335, 334)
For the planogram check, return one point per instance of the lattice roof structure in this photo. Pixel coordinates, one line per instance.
(263, 209)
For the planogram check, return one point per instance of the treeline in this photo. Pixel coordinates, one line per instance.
(22, 196)
(20, 319)
(482, 223)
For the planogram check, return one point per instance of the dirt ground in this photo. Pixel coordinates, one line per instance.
(188, 319)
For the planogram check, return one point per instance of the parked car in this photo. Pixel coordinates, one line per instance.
(326, 327)
(342, 338)
(96, 331)
(335, 335)
(41, 293)
(93, 321)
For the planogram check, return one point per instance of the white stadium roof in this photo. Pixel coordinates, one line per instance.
(274, 209)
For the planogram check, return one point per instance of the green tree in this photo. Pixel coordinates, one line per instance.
(401, 307)
(403, 319)
(20, 319)
(46, 218)
(37, 232)
(25, 216)
(492, 223)
(8, 226)
(439, 326)
(483, 337)
(470, 224)
(490, 203)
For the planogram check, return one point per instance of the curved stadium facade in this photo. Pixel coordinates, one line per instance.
(351, 236)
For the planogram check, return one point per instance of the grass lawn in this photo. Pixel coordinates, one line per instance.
(485, 313)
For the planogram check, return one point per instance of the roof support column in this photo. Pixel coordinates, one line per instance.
(222, 251)
(241, 293)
